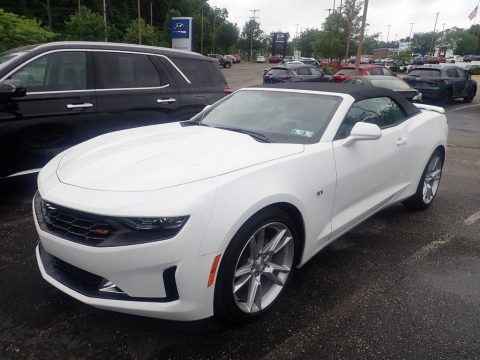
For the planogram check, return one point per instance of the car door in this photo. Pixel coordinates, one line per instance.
(317, 75)
(463, 82)
(457, 84)
(132, 91)
(57, 112)
(369, 173)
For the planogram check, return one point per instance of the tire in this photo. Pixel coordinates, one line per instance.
(249, 262)
(470, 96)
(446, 98)
(227, 65)
(429, 182)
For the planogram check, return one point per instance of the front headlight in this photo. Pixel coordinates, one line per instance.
(161, 223)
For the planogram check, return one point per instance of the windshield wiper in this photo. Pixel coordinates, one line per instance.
(253, 134)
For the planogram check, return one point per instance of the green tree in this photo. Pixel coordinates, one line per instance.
(304, 42)
(330, 43)
(17, 31)
(227, 36)
(150, 35)
(86, 26)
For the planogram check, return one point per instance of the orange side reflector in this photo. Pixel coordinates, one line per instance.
(213, 271)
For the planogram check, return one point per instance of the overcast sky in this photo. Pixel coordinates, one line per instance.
(285, 14)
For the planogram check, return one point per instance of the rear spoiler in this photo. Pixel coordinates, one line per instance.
(437, 109)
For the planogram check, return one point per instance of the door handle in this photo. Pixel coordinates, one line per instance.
(167, 101)
(402, 141)
(79, 106)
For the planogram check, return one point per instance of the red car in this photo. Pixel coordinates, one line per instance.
(236, 57)
(346, 72)
(274, 59)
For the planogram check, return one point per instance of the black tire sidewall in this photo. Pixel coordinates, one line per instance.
(224, 303)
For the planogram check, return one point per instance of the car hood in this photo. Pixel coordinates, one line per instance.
(160, 156)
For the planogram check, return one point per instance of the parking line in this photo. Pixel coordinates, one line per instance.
(471, 220)
(464, 107)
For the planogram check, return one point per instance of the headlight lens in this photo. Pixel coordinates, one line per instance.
(161, 223)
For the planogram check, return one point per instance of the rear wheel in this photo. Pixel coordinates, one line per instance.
(429, 182)
(227, 65)
(255, 267)
(470, 96)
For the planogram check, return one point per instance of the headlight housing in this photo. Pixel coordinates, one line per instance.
(160, 223)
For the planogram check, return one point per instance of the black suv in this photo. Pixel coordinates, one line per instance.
(55, 95)
(442, 83)
(295, 73)
(222, 60)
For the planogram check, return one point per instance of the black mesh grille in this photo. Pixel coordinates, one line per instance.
(71, 224)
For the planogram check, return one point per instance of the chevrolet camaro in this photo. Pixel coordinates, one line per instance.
(211, 215)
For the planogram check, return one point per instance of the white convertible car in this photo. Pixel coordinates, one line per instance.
(211, 216)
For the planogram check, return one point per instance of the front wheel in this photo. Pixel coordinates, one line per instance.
(226, 65)
(255, 267)
(429, 182)
(470, 96)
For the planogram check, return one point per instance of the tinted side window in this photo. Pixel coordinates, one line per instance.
(387, 72)
(302, 71)
(200, 72)
(382, 111)
(375, 71)
(59, 71)
(452, 73)
(121, 70)
(461, 73)
(316, 72)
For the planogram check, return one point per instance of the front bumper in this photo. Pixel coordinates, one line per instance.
(165, 279)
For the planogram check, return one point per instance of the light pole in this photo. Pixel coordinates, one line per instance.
(253, 30)
(388, 34)
(362, 35)
(105, 20)
(432, 46)
(201, 36)
(139, 27)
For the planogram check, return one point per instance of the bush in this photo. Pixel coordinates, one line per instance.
(17, 31)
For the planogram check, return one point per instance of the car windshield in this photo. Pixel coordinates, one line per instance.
(390, 83)
(425, 72)
(10, 55)
(280, 116)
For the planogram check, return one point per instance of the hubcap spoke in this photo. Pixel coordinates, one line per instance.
(238, 285)
(277, 267)
(274, 278)
(245, 269)
(253, 247)
(252, 292)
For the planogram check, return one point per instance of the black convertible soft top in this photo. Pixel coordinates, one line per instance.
(357, 92)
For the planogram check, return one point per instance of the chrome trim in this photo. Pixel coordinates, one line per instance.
(94, 50)
(171, 100)
(95, 90)
(79, 106)
(25, 172)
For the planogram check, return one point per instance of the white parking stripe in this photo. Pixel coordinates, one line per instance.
(472, 218)
(464, 107)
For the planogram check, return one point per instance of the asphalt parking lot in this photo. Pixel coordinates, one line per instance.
(402, 285)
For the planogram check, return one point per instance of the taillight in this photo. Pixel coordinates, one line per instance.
(284, 77)
(227, 90)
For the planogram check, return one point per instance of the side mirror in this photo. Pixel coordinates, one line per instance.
(363, 132)
(12, 89)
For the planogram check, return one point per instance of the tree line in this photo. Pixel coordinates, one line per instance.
(25, 22)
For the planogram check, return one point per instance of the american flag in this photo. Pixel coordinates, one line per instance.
(473, 14)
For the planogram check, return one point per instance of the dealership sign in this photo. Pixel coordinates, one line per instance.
(181, 33)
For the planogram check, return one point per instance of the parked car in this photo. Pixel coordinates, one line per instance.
(295, 73)
(135, 222)
(261, 59)
(387, 82)
(222, 60)
(427, 59)
(310, 61)
(442, 83)
(235, 58)
(231, 57)
(470, 58)
(347, 72)
(455, 58)
(55, 95)
(287, 59)
(274, 59)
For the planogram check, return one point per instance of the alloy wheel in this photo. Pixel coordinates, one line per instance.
(263, 267)
(432, 179)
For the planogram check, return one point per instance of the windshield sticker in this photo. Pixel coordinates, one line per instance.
(302, 132)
